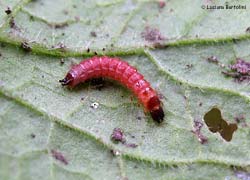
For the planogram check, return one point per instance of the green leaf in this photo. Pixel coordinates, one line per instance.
(38, 117)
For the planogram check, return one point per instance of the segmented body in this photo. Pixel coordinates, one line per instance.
(119, 70)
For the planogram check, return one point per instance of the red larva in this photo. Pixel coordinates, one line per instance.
(116, 69)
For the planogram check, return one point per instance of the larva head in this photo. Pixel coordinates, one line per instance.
(68, 80)
(155, 109)
(157, 114)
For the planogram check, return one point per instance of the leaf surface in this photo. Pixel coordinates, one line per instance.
(38, 116)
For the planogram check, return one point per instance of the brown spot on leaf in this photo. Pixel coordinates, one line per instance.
(213, 59)
(152, 35)
(216, 123)
(189, 66)
(93, 34)
(197, 131)
(59, 156)
(25, 46)
(62, 25)
(118, 136)
(159, 45)
(240, 118)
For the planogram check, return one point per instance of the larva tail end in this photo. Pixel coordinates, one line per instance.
(157, 114)
(66, 81)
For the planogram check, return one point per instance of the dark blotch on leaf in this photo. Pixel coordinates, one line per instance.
(59, 156)
(12, 23)
(240, 119)
(189, 66)
(25, 46)
(216, 123)
(62, 61)
(62, 25)
(31, 18)
(248, 30)
(32, 135)
(115, 152)
(213, 59)
(235, 40)
(93, 34)
(8, 11)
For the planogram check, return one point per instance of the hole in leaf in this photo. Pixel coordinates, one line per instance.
(216, 123)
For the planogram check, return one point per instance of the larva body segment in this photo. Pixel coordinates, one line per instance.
(116, 69)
